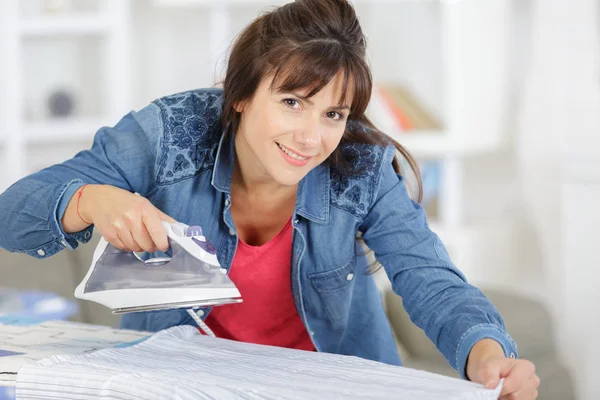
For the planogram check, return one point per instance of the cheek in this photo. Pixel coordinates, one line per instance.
(331, 141)
(283, 122)
(273, 123)
(260, 128)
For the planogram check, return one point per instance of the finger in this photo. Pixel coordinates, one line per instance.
(532, 395)
(115, 241)
(165, 217)
(517, 376)
(535, 381)
(127, 239)
(156, 231)
(490, 374)
(529, 389)
(112, 237)
(142, 237)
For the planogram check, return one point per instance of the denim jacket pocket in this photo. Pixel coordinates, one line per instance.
(335, 289)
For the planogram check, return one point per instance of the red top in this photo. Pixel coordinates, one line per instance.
(267, 314)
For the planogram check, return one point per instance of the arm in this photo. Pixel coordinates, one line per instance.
(32, 209)
(454, 314)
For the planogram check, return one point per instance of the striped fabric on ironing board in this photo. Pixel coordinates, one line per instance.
(179, 363)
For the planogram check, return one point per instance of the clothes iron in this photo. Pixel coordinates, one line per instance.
(189, 277)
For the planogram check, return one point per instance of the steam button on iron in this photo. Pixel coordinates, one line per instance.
(193, 230)
(179, 229)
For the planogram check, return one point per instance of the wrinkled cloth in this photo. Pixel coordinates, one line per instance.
(180, 363)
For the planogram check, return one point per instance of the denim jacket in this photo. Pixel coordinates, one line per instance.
(173, 153)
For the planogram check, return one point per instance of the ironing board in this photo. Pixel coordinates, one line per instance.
(179, 363)
(24, 340)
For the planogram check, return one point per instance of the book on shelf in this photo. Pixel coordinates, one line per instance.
(394, 108)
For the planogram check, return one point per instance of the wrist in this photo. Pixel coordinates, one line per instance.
(84, 199)
(483, 350)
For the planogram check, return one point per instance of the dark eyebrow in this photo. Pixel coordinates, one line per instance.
(309, 101)
(340, 108)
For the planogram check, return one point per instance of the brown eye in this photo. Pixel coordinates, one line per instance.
(335, 115)
(290, 102)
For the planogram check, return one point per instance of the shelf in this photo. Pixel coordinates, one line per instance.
(78, 129)
(434, 144)
(65, 25)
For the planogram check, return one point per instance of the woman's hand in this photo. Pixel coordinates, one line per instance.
(487, 365)
(126, 220)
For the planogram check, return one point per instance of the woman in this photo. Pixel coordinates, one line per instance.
(282, 170)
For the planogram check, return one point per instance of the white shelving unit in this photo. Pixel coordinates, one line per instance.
(65, 25)
(109, 23)
(71, 129)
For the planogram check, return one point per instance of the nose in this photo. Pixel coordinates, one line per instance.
(309, 136)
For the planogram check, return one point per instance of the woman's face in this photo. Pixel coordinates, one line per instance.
(282, 136)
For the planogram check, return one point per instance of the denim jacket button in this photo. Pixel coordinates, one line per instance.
(350, 276)
(512, 355)
(231, 232)
(41, 253)
(200, 313)
(87, 235)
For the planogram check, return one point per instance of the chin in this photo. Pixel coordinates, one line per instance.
(289, 178)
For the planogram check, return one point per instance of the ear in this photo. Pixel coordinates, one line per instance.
(239, 106)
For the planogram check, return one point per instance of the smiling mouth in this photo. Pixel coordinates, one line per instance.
(290, 153)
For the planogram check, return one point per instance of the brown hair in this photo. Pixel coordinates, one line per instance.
(304, 44)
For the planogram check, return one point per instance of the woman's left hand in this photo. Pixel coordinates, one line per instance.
(487, 367)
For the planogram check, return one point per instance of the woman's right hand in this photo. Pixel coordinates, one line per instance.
(125, 220)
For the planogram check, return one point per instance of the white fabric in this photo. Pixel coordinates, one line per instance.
(23, 341)
(179, 363)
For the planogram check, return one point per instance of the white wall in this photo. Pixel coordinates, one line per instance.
(561, 116)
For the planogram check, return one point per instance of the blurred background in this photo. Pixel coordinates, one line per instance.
(499, 100)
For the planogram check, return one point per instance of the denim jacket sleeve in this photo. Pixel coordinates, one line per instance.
(454, 314)
(122, 156)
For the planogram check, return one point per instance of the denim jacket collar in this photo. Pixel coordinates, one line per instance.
(312, 200)
(223, 169)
